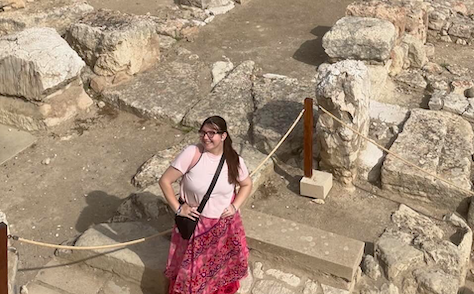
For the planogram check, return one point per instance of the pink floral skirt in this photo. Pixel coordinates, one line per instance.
(212, 261)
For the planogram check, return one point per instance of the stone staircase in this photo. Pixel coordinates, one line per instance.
(286, 257)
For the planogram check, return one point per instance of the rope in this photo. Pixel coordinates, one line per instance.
(394, 154)
(137, 241)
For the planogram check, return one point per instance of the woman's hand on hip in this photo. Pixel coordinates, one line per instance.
(189, 212)
(230, 210)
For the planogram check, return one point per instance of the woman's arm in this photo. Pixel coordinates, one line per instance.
(170, 176)
(242, 195)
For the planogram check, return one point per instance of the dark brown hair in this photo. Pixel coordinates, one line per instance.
(230, 155)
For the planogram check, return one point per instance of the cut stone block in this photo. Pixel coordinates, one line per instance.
(166, 92)
(318, 186)
(55, 108)
(332, 259)
(440, 143)
(204, 4)
(37, 288)
(143, 263)
(35, 61)
(56, 14)
(111, 42)
(360, 38)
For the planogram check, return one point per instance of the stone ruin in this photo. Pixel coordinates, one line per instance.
(376, 48)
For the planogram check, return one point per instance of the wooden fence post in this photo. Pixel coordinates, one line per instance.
(3, 259)
(308, 137)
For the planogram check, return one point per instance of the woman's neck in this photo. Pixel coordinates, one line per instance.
(216, 151)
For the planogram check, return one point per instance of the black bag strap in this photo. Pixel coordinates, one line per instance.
(213, 184)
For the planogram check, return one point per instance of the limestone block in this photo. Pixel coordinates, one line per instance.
(360, 38)
(378, 78)
(370, 162)
(271, 287)
(166, 92)
(278, 102)
(318, 186)
(219, 70)
(143, 263)
(455, 103)
(56, 108)
(370, 267)
(393, 12)
(204, 4)
(464, 245)
(331, 290)
(230, 99)
(435, 281)
(35, 61)
(460, 86)
(396, 256)
(461, 29)
(56, 14)
(311, 287)
(408, 219)
(112, 42)
(417, 19)
(437, 100)
(416, 51)
(440, 143)
(287, 278)
(412, 78)
(344, 90)
(398, 56)
(13, 4)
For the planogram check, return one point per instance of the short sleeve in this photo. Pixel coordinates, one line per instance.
(183, 161)
(243, 171)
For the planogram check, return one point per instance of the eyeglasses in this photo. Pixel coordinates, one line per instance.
(210, 134)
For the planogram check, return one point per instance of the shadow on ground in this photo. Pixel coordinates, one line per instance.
(312, 52)
(100, 207)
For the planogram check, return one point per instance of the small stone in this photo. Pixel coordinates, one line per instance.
(23, 289)
(101, 104)
(318, 201)
(258, 270)
(394, 129)
(371, 268)
(46, 161)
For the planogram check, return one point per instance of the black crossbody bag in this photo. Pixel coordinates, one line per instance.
(186, 226)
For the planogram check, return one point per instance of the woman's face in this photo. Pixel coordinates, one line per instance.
(211, 138)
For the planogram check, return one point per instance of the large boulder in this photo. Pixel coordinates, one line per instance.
(278, 101)
(35, 62)
(111, 42)
(360, 38)
(231, 98)
(344, 90)
(441, 144)
(57, 14)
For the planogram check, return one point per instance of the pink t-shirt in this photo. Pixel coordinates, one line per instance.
(196, 181)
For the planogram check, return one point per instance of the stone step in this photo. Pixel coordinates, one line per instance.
(329, 258)
(60, 277)
(143, 264)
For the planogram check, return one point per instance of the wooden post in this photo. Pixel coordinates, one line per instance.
(3, 259)
(308, 137)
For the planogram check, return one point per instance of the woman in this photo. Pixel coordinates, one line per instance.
(215, 258)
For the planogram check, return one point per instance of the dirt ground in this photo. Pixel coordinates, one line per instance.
(93, 158)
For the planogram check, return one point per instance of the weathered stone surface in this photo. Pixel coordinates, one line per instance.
(231, 99)
(416, 51)
(417, 19)
(278, 102)
(57, 14)
(437, 100)
(204, 4)
(246, 284)
(440, 143)
(331, 290)
(459, 86)
(464, 244)
(396, 256)
(35, 61)
(56, 108)
(408, 219)
(412, 78)
(393, 12)
(389, 289)
(378, 78)
(399, 58)
(435, 281)
(165, 92)
(15, 4)
(343, 89)
(370, 267)
(287, 278)
(311, 287)
(360, 38)
(455, 103)
(370, 162)
(219, 70)
(143, 263)
(112, 42)
(271, 287)
(142, 206)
